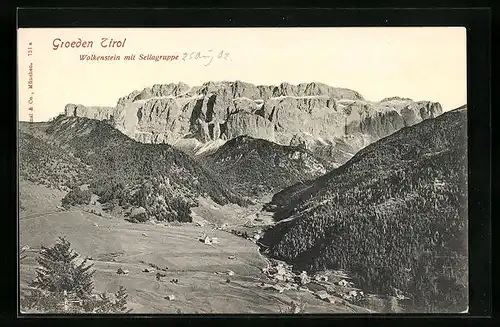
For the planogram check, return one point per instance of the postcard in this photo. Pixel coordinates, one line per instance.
(242, 170)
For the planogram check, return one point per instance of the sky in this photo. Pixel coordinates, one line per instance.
(422, 63)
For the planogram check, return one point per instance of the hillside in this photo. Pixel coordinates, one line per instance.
(394, 216)
(160, 179)
(331, 121)
(46, 164)
(256, 166)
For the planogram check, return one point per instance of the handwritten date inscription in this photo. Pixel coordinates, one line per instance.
(206, 57)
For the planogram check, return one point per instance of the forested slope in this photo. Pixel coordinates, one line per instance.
(255, 166)
(163, 180)
(394, 216)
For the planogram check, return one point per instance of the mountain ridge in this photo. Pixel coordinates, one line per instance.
(317, 115)
(163, 180)
(257, 166)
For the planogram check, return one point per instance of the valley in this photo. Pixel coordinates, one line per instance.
(202, 270)
(234, 198)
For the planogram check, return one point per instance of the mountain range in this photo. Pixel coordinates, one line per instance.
(330, 121)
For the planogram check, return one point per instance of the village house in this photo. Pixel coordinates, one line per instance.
(280, 270)
(324, 296)
(121, 271)
(344, 283)
(321, 278)
(280, 277)
(346, 296)
(209, 240)
(304, 279)
(283, 274)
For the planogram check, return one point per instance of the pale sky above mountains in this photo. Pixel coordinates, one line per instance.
(422, 63)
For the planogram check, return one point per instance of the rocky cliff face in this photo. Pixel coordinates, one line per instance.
(328, 119)
(78, 110)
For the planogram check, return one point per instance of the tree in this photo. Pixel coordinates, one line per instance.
(121, 300)
(63, 285)
(59, 271)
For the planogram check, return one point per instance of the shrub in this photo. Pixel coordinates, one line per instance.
(139, 215)
(76, 196)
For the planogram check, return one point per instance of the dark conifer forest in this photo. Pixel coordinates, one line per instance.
(394, 216)
(256, 166)
(163, 180)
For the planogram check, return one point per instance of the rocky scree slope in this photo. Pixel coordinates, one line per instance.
(335, 122)
(394, 216)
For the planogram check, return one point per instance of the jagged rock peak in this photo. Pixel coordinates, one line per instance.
(161, 90)
(395, 98)
(92, 112)
(240, 89)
